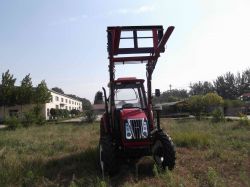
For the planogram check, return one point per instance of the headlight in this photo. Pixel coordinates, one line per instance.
(128, 131)
(145, 129)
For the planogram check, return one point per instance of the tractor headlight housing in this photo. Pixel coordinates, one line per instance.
(128, 131)
(144, 132)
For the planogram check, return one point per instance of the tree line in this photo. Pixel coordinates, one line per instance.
(11, 95)
(229, 86)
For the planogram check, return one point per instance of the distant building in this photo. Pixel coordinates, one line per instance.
(245, 97)
(58, 101)
(99, 108)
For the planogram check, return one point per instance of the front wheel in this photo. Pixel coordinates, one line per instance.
(107, 156)
(163, 151)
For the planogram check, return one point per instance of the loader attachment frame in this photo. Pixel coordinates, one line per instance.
(136, 54)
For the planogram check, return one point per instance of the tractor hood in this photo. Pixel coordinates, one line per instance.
(133, 113)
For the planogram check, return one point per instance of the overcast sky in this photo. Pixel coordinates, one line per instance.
(64, 41)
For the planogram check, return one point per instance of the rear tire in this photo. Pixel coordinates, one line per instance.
(163, 151)
(107, 157)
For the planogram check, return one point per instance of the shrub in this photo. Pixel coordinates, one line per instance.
(65, 113)
(244, 121)
(12, 122)
(90, 116)
(196, 105)
(28, 119)
(217, 116)
(37, 110)
(40, 120)
(233, 103)
(53, 112)
(75, 112)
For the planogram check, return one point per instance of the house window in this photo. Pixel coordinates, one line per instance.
(57, 106)
(61, 99)
(69, 101)
(69, 108)
(51, 99)
(57, 98)
(66, 100)
(66, 107)
(48, 112)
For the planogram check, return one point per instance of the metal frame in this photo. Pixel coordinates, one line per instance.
(150, 57)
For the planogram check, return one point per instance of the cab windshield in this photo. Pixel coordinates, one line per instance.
(129, 96)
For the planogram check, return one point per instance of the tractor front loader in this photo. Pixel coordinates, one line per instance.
(130, 127)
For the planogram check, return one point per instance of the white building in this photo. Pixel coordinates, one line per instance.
(58, 101)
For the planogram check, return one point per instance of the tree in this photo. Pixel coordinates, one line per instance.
(58, 90)
(7, 89)
(201, 88)
(212, 101)
(98, 98)
(171, 96)
(86, 104)
(196, 105)
(25, 91)
(243, 82)
(226, 86)
(42, 94)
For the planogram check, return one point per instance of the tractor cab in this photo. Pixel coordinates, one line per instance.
(130, 120)
(129, 93)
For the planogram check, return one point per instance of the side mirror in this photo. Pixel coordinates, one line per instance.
(157, 92)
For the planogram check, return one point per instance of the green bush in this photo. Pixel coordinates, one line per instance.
(217, 116)
(244, 121)
(40, 120)
(12, 122)
(90, 116)
(233, 103)
(28, 119)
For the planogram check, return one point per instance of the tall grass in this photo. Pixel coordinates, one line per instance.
(208, 154)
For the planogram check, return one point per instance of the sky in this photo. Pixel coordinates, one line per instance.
(64, 42)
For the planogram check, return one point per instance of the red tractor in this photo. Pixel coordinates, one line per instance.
(130, 126)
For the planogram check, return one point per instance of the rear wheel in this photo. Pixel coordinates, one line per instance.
(163, 151)
(107, 157)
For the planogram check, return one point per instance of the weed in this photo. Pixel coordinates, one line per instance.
(12, 122)
(217, 116)
(244, 122)
(192, 139)
(213, 178)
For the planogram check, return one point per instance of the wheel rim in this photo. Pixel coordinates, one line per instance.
(100, 158)
(158, 153)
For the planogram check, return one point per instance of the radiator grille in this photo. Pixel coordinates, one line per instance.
(136, 125)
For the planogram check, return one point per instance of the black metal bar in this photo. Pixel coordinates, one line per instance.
(158, 119)
(165, 38)
(135, 39)
(106, 109)
(143, 28)
(135, 50)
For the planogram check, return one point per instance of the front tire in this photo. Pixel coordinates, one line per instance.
(163, 151)
(107, 156)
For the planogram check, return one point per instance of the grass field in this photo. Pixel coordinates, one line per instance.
(66, 155)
